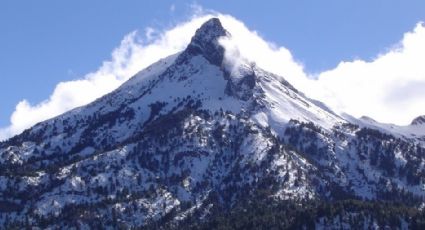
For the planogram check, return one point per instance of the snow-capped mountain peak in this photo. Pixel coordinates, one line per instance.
(185, 136)
(205, 41)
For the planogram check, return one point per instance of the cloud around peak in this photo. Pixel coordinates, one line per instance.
(134, 53)
(391, 88)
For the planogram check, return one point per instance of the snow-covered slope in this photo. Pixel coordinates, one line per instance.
(415, 131)
(187, 134)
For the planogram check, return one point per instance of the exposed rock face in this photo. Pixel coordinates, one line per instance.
(205, 42)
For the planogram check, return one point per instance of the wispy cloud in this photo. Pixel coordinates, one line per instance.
(358, 87)
(172, 8)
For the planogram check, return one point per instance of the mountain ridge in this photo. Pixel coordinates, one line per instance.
(186, 135)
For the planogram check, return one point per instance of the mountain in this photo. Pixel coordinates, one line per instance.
(191, 143)
(418, 121)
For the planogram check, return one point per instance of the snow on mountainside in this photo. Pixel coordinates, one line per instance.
(415, 131)
(188, 134)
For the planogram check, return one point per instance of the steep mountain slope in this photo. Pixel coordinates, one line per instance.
(187, 135)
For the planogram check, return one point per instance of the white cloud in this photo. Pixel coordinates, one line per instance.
(251, 46)
(377, 89)
(390, 89)
(150, 34)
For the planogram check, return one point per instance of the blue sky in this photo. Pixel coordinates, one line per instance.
(46, 42)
